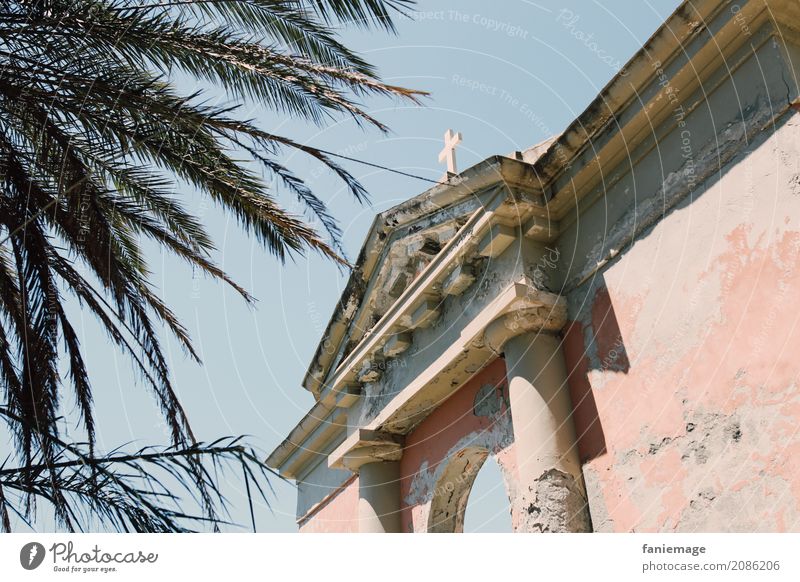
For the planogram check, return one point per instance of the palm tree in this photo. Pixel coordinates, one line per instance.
(97, 146)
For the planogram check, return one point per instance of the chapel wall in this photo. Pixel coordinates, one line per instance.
(683, 349)
(476, 416)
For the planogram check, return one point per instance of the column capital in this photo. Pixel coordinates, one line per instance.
(366, 446)
(547, 312)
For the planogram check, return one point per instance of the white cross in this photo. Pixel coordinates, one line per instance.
(451, 140)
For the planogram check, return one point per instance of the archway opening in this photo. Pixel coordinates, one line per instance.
(455, 489)
(488, 509)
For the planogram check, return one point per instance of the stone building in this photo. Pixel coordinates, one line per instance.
(611, 315)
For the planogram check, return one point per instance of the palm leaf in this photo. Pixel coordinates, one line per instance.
(98, 149)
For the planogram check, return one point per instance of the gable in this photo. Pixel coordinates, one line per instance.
(401, 243)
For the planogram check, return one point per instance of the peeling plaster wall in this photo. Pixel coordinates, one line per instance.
(669, 166)
(683, 350)
(476, 418)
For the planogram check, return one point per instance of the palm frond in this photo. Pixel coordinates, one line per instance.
(98, 150)
(146, 490)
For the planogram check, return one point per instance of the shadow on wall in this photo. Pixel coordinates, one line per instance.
(598, 346)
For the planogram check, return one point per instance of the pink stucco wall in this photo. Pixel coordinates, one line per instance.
(687, 399)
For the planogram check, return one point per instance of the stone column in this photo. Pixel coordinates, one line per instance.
(552, 495)
(379, 497)
(375, 457)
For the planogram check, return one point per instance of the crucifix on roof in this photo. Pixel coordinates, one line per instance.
(448, 154)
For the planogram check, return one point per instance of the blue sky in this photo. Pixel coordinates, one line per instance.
(507, 74)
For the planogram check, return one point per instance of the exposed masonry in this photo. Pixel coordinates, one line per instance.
(557, 505)
(402, 262)
(489, 401)
(707, 436)
(717, 468)
(706, 432)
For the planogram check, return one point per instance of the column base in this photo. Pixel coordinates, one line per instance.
(554, 503)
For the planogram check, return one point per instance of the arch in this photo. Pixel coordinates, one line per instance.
(449, 499)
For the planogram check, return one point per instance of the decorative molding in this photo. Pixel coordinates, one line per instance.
(425, 313)
(324, 433)
(535, 319)
(496, 240)
(366, 446)
(462, 358)
(397, 344)
(458, 280)
(541, 229)
(371, 370)
(476, 188)
(349, 395)
(398, 284)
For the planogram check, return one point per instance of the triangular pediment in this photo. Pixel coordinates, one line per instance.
(401, 244)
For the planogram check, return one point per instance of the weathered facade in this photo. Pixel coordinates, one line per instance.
(612, 315)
